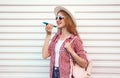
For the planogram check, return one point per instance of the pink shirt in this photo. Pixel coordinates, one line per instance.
(64, 59)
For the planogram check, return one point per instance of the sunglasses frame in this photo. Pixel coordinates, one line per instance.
(59, 17)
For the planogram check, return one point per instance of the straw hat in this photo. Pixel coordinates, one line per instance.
(67, 10)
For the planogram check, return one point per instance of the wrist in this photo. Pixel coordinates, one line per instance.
(48, 36)
(71, 51)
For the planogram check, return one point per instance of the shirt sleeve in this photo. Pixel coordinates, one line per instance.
(78, 47)
(52, 43)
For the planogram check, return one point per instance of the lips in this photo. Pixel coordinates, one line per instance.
(59, 23)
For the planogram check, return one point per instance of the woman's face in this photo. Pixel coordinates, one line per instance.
(60, 20)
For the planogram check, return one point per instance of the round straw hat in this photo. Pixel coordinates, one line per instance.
(67, 10)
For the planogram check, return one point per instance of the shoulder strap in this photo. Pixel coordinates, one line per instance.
(70, 44)
(73, 39)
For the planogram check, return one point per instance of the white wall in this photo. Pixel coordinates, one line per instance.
(22, 34)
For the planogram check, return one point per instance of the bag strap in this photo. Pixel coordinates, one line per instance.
(90, 65)
(70, 44)
(71, 60)
(73, 39)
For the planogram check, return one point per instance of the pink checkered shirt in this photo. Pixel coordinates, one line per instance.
(64, 59)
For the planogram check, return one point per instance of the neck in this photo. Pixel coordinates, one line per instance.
(64, 33)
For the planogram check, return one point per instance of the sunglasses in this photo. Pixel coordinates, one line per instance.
(60, 17)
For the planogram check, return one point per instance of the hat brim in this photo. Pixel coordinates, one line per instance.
(58, 8)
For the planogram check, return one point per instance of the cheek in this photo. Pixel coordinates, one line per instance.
(63, 23)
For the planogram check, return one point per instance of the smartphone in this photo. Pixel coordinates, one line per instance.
(47, 24)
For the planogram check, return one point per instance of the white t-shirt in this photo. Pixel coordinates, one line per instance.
(57, 50)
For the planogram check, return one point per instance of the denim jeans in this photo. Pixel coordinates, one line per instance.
(56, 73)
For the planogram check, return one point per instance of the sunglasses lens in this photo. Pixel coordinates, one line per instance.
(56, 18)
(60, 18)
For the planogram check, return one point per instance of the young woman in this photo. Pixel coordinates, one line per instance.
(62, 47)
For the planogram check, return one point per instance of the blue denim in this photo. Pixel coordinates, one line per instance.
(56, 73)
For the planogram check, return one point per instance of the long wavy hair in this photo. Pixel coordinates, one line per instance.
(70, 25)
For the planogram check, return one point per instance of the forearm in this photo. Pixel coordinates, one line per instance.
(45, 52)
(80, 61)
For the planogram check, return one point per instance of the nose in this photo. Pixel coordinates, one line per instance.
(57, 20)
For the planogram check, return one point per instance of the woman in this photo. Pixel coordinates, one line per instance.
(62, 47)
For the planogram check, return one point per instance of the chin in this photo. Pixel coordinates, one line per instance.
(61, 26)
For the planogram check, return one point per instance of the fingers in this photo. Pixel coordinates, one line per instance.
(68, 47)
(67, 44)
(73, 39)
(49, 28)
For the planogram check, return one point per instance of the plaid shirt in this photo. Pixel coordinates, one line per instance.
(64, 59)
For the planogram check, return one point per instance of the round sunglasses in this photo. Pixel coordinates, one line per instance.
(60, 17)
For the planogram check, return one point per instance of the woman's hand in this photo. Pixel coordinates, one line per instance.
(48, 29)
(68, 47)
(45, 52)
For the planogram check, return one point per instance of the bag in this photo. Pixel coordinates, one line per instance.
(78, 72)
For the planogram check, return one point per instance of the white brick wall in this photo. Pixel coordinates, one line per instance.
(22, 34)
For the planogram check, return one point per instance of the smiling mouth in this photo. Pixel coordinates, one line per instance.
(59, 23)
